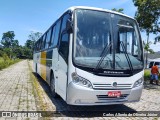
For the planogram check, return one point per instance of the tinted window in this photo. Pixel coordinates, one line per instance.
(48, 38)
(64, 42)
(52, 38)
(64, 46)
(157, 63)
(43, 42)
(65, 18)
(56, 37)
(35, 47)
(39, 43)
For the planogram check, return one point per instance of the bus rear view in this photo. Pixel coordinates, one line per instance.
(107, 58)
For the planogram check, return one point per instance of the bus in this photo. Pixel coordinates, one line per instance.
(92, 56)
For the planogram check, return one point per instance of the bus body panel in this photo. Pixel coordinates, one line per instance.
(61, 75)
(49, 55)
(36, 63)
(76, 96)
(55, 67)
(43, 64)
(76, 93)
(109, 80)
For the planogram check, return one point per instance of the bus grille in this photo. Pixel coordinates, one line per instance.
(105, 97)
(111, 87)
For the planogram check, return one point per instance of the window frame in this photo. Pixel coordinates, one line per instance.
(51, 27)
(62, 33)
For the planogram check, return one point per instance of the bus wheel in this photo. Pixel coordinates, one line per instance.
(36, 68)
(52, 86)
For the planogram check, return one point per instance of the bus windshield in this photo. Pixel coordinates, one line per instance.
(107, 41)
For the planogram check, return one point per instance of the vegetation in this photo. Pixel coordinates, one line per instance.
(11, 52)
(5, 61)
(12, 48)
(147, 74)
(147, 15)
(118, 10)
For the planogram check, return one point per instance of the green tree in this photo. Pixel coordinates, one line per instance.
(7, 39)
(29, 44)
(28, 53)
(28, 48)
(15, 43)
(34, 36)
(148, 14)
(147, 47)
(18, 51)
(8, 52)
(118, 10)
(1, 53)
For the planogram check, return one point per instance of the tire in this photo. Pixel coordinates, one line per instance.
(36, 68)
(52, 86)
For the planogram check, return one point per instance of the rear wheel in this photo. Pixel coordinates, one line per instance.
(52, 86)
(36, 68)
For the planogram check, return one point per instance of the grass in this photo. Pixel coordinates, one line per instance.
(8, 62)
(37, 92)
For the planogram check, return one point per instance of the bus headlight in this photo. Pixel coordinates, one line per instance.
(138, 82)
(81, 81)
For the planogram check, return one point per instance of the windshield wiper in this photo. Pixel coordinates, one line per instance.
(127, 57)
(103, 55)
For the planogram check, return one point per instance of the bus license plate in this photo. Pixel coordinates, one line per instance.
(114, 94)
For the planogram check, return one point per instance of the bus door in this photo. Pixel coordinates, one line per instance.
(62, 71)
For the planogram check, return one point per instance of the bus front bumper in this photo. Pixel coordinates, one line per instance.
(79, 95)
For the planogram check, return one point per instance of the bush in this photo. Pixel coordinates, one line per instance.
(5, 57)
(5, 61)
(147, 74)
(1, 53)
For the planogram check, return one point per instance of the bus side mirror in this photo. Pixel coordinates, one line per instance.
(69, 26)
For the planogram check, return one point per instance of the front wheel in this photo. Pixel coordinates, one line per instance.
(52, 86)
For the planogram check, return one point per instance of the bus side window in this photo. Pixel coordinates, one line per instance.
(43, 41)
(39, 44)
(64, 23)
(48, 38)
(56, 36)
(52, 36)
(64, 41)
(34, 48)
(64, 46)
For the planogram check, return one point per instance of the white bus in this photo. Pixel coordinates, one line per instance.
(92, 56)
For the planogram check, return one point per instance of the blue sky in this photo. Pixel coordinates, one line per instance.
(24, 16)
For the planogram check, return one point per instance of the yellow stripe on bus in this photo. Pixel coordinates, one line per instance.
(43, 65)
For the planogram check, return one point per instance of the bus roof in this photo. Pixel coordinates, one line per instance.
(98, 9)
